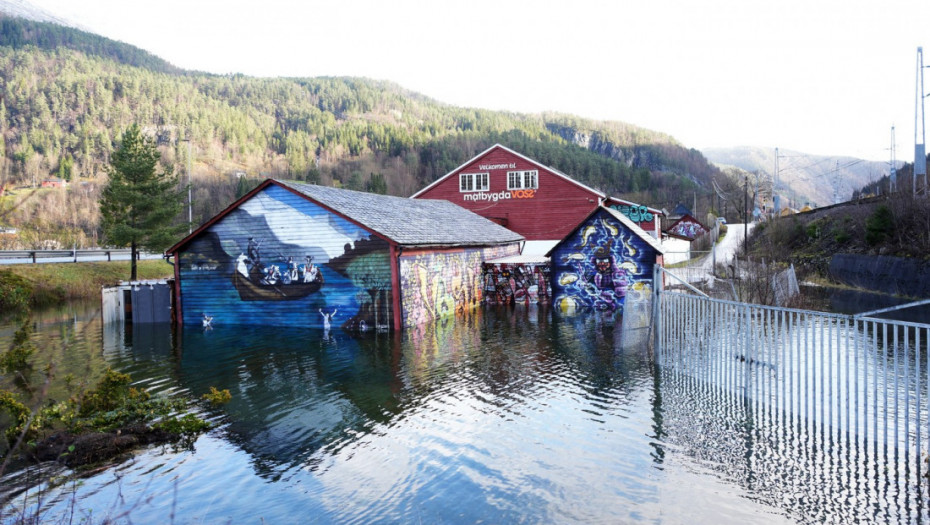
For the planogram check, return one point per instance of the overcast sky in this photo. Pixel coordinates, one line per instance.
(818, 76)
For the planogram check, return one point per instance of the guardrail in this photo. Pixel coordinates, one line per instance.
(36, 256)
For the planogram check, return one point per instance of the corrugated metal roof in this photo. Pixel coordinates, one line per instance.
(409, 222)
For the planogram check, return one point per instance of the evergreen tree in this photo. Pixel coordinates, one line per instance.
(138, 206)
(377, 184)
(66, 167)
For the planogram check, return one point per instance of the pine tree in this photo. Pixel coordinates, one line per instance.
(377, 184)
(138, 206)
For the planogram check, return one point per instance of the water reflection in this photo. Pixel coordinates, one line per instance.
(293, 391)
(504, 415)
(296, 391)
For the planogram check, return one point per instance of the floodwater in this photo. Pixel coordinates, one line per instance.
(508, 415)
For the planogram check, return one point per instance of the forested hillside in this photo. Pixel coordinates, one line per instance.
(67, 95)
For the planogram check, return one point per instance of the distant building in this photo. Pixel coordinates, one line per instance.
(688, 227)
(298, 254)
(54, 182)
(680, 211)
(677, 248)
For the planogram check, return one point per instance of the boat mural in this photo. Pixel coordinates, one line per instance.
(256, 281)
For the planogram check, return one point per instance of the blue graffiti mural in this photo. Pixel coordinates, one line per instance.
(599, 265)
(279, 259)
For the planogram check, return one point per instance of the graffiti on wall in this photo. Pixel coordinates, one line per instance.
(599, 265)
(436, 285)
(516, 283)
(687, 227)
(279, 259)
(634, 212)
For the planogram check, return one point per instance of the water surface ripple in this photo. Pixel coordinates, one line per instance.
(504, 416)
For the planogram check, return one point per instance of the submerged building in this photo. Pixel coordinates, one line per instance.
(289, 253)
(604, 263)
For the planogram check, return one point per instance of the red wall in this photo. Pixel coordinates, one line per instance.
(550, 213)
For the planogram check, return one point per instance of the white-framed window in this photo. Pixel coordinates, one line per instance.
(523, 180)
(473, 182)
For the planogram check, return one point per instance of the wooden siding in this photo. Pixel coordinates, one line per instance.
(277, 228)
(547, 213)
(600, 264)
(440, 283)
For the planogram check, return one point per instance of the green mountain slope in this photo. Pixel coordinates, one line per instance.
(66, 95)
(18, 32)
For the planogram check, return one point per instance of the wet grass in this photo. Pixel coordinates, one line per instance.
(53, 283)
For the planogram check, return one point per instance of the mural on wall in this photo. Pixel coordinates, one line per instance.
(688, 227)
(258, 279)
(516, 283)
(436, 285)
(599, 265)
(279, 259)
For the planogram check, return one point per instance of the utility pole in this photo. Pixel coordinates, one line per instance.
(746, 218)
(836, 183)
(776, 204)
(920, 153)
(893, 177)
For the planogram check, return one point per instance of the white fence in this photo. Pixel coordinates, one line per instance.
(854, 389)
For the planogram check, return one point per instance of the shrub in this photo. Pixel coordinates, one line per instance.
(15, 292)
(18, 414)
(879, 225)
(812, 230)
(218, 397)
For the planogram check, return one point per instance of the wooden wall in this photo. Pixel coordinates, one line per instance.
(547, 213)
(220, 269)
(440, 283)
(600, 264)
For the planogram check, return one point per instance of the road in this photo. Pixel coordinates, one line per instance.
(727, 247)
(702, 270)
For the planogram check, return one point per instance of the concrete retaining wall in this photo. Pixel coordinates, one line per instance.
(892, 275)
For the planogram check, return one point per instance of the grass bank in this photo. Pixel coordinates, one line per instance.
(44, 284)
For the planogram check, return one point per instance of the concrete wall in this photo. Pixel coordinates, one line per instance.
(892, 275)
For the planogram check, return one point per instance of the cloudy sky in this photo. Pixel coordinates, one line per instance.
(818, 76)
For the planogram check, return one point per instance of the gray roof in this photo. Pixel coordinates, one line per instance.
(409, 222)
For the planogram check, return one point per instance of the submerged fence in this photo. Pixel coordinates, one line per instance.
(855, 387)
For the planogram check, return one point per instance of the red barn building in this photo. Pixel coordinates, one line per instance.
(536, 201)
